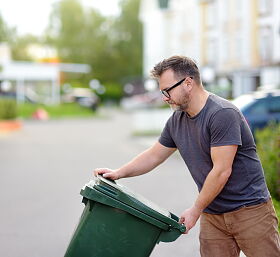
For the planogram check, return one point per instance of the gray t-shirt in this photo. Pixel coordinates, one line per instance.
(219, 123)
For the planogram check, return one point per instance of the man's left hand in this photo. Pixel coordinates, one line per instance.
(189, 218)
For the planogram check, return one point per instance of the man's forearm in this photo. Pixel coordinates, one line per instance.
(213, 185)
(141, 164)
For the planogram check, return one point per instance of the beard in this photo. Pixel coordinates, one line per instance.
(181, 105)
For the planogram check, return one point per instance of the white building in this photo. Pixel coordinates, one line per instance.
(235, 42)
(240, 42)
(169, 29)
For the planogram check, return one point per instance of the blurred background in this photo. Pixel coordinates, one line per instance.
(75, 94)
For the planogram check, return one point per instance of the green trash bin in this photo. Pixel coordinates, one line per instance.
(118, 223)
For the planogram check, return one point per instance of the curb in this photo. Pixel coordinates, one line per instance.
(10, 125)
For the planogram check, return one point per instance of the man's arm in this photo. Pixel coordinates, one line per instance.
(222, 158)
(141, 164)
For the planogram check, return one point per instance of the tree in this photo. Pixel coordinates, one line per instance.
(6, 33)
(77, 34)
(19, 46)
(66, 30)
(111, 45)
(129, 43)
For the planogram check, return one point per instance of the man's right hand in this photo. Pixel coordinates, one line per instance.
(107, 173)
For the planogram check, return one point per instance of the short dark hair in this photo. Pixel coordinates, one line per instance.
(182, 66)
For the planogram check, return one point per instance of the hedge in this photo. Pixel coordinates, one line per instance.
(8, 109)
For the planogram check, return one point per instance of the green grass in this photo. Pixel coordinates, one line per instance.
(64, 110)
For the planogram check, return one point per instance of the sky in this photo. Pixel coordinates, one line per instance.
(31, 16)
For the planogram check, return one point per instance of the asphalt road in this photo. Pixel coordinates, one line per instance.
(44, 165)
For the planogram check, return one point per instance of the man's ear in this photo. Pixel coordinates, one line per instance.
(188, 84)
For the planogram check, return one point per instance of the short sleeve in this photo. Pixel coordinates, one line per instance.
(165, 138)
(225, 127)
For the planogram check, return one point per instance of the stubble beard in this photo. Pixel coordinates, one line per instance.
(181, 105)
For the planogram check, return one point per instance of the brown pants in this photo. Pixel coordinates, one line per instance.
(253, 230)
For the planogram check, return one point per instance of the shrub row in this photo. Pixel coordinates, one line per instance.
(268, 145)
(8, 109)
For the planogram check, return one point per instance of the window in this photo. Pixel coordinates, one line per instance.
(265, 7)
(211, 52)
(238, 9)
(266, 44)
(163, 4)
(225, 49)
(224, 14)
(211, 14)
(238, 47)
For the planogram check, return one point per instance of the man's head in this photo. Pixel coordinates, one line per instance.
(181, 66)
(179, 79)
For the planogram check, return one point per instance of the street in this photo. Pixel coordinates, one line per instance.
(44, 166)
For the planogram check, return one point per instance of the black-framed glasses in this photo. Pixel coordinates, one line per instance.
(165, 91)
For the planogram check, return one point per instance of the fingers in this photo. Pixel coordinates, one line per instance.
(187, 231)
(110, 175)
(100, 171)
(106, 173)
(182, 221)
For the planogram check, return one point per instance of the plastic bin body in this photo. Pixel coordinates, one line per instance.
(111, 226)
(105, 231)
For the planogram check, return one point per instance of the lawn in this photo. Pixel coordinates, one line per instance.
(26, 110)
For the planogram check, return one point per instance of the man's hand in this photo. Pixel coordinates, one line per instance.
(189, 218)
(107, 173)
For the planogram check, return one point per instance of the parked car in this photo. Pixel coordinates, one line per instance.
(83, 96)
(259, 108)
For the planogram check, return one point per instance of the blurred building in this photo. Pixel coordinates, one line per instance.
(169, 28)
(33, 81)
(240, 41)
(235, 42)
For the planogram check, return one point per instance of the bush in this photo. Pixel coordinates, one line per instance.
(268, 145)
(114, 92)
(8, 109)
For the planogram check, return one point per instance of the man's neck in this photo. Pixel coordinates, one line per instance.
(198, 101)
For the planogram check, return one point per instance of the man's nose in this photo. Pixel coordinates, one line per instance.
(165, 98)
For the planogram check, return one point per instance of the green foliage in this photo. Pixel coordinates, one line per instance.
(128, 45)
(19, 47)
(59, 111)
(18, 44)
(5, 31)
(8, 109)
(111, 45)
(268, 146)
(2, 30)
(113, 92)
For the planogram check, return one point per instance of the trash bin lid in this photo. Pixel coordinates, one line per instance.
(122, 193)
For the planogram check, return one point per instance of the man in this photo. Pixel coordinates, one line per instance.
(212, 136)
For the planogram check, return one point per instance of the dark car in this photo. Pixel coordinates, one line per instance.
(259, 108)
